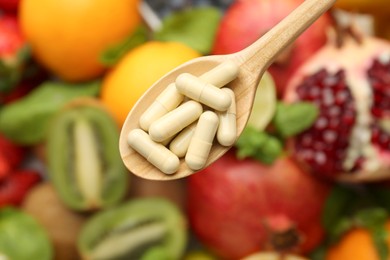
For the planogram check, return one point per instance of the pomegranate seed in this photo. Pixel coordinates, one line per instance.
(323, 145)
(379, 78)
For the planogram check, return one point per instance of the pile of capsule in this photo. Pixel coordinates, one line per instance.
(185, 118)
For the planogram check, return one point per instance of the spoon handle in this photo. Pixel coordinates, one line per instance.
(260, 55)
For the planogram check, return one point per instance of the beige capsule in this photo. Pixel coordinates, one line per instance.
(202, 141)
(155, 153)
(168, 100)
(175, 121)
(167, 141)
(222, 74)
(204, 92)
(227, 129)
(179, 145)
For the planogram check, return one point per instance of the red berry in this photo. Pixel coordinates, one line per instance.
(11, 39)
(14, 188)
(11, 155)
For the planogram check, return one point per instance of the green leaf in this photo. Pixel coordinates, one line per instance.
(342, 226)
(319, 253)
(25, 120)
(195, 27)
(292, 119)
(258, 145)
(371, 217)
(379, 236)
(381, 195)
(270, 151)
(336, 206)
(112, 55)
(24, 54)
(248, 142)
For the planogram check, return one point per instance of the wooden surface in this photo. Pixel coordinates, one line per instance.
(253, 62)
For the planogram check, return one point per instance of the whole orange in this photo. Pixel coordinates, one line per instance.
(137, 71)
(68, 36)
(357, 244)
(374, 7)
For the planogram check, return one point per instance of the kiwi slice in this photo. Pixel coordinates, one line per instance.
(62, 225)
(22, 237)
(83, 157)
(144, 228)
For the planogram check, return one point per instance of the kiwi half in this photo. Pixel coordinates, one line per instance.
(145, 228)
(61, 224)
(83, 157)
(22, 237)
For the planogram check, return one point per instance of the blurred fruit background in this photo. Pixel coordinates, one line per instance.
(307, 179)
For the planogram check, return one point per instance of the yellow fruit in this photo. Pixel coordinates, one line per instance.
(137, 71)
(68, 36)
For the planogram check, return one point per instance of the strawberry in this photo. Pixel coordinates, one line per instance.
(14, 53)
(19, 73)
(9, 5)
(15, 187)
(11, 155)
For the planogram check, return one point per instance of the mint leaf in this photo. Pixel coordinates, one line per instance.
(25, 121)
(336, 206)
(319, 253)
(371, 217)
(379, 236)
(270, 151)
(342, 226)
(258, 145)
(292, 119)
(195, 27)
(113, 54)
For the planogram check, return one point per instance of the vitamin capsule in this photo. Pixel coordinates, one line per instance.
(176, 120)
(222, 74)
(179, 145)
(168, 100)
(202, 140)
(204, 92)
(227, 129)
(157, 154)
(167, 141)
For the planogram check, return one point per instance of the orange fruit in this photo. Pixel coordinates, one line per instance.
(357, 244)
(68, 36)
(374, 7)
(137, 71)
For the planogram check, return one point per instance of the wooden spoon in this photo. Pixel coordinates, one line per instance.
(253, 62)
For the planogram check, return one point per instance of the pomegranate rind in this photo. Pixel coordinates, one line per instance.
(356, 56)
(235, 200)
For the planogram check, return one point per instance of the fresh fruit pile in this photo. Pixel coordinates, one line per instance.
(307, 179)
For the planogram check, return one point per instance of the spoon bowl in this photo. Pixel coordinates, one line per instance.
(253, 61)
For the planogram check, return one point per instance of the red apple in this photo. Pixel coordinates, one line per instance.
(247, 20)
(239, 207)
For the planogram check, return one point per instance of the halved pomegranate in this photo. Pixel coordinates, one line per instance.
(350, 139)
